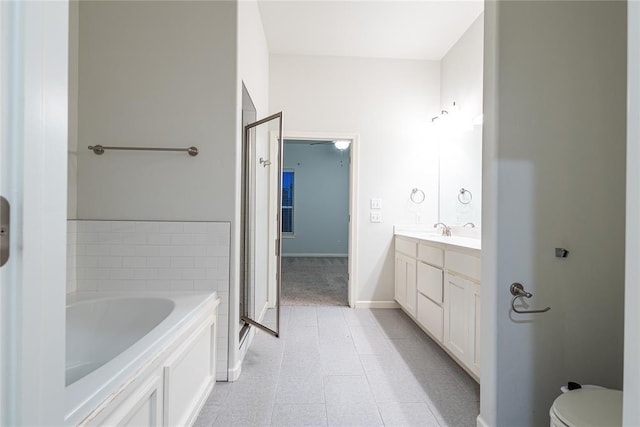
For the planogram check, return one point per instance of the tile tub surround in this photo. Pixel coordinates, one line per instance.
(139, 256)
(337, 366)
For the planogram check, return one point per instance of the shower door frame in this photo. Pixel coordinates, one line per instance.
(244, 236)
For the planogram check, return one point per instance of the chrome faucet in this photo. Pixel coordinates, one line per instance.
(470, 224)
(446, 231)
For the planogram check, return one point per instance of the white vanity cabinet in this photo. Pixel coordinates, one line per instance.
(447, 295)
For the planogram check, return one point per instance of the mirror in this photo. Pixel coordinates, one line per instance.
(461, 177)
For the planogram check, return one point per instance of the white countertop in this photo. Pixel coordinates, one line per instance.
(428, 235)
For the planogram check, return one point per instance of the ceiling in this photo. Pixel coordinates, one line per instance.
(418, 29)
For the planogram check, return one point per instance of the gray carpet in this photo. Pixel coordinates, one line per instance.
(314, 281)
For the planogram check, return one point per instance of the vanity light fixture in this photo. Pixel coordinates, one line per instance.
(452, 122)
(341, 144)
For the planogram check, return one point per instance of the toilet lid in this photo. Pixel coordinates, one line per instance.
(590, 407)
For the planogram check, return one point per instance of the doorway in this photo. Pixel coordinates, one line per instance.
(318, 219)
(315, 222)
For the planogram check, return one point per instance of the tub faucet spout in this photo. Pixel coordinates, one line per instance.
(446, 231)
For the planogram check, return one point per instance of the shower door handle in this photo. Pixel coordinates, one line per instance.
(5, 223)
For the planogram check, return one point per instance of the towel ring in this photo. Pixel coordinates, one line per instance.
(417, 196)
(465, 200)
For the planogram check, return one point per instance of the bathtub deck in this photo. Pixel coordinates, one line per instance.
(337, 366)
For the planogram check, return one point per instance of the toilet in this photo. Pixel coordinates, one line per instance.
(588, 406)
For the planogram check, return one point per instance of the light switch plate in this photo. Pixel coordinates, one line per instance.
(376, 217)
(376, 203)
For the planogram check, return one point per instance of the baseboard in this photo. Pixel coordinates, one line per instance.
(377, 304)
(315, 255)
(480, 422)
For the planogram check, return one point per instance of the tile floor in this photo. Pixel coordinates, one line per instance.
(336, 366)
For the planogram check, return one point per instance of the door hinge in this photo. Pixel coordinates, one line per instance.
(5, 226)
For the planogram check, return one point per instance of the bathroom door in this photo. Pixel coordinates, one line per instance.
(260, 273)
(33, 178)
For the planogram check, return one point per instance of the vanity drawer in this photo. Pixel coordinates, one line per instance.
(431, 316)
(464, 264)
(406, 246)
(431, 255)
(430, 282)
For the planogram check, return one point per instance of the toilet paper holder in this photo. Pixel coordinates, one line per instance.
(517, 290)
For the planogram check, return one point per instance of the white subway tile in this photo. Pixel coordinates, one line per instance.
(110, 238)
(215, 227)
(195, 250)
(182, 285)
(183, 239)
(205, 262)
(88, 238)
(147, 250)
(206, 239)
(110, 262)
(159, 285)
(147, 227)
(146, 274)
(99, 226)
(169, 273)
(159, 239)
(87, 285)
(123, 250)
(133, 285)
(96, 273)
(170, 251)
(135, 262)
(195, 227)
(123, 226)
(122, 273)
(204, 285)
(171, 227)
(181, 262)
(194, 273)
(87, 261)
(134, 238)
(95, 250)
(219, 251)
(159, 262)
(109, 285)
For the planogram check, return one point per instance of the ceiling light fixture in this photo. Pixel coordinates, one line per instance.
(342, 144)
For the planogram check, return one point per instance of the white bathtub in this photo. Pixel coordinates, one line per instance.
(115, 340)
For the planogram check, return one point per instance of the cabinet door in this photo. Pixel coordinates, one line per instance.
(474, 327)
(412, 290)
(401, 280)
(456, 316)
(429, 315)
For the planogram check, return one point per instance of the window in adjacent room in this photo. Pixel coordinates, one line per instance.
(287, 202)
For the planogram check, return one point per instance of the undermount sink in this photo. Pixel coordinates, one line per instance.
(464, 237)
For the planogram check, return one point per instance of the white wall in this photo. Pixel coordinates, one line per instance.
(389, 103)
(553, 176)
(160, 74)
(157, 74)
(632, 295)
(321, 199)
(253, 70)
(461, 153)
